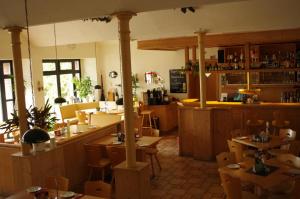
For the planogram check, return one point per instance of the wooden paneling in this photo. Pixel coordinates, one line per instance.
(167, 115)
(6, 169)
(196, 127)
(222, 123)
(67, 159)
(212, 88)
(185, 131)
(219, 40)
(202, 142)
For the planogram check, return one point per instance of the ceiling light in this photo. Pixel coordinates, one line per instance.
(184, 9)
(191, 9)
(106, 19)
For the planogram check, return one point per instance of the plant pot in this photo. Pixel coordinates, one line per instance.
(38, 147)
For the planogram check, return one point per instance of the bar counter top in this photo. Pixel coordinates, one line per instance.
(190, 102)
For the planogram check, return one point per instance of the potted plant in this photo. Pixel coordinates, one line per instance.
(83, 86)
(36, 117)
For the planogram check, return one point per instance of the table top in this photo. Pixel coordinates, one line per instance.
(265, 182)
(25, 195)
(144, 141)
(275, 141)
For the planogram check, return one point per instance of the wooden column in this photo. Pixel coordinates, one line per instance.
(124, 37)
(194, 57)
(132, 178)
(186, 54)
(19, 80)
(202, 79)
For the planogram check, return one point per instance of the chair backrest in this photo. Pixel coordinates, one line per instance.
(57, 182)
(68, 111)
(97, 188)
(93, 154)
(138, 125)
(237, 149)
(238, 132)
(287, 133)
(116, 154)
(232, 187)
(81, 116)
(295, 147)
(87, 105)
(225, 158)
(289, 159)
(105, 119)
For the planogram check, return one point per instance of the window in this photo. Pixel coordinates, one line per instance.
(7, 98)
(58, 75)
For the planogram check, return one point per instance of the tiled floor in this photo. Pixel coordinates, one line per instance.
(183, 177)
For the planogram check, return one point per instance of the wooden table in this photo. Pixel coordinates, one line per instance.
(265, 182)
(25, 195)
(145, 141)
(275, 141)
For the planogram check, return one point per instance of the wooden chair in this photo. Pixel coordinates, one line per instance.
(81, 117)
(239, 151)
(116, 155)
(57, 182)
(98, 189)
(295, 147)
(238, 133)
(289, 159)
(225, 158)
(138, 125)
(95, 159)
(287, 134)
(233, 189)
(254, 124)
(146, 119)
(279, 122)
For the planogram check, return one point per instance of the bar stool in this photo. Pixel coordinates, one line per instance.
(279, 122)
(254, 126)
(146, 114)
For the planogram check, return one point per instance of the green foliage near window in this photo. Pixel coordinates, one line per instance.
(83, 86)
(40, 117)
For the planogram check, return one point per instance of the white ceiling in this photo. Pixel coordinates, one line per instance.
(217, 16)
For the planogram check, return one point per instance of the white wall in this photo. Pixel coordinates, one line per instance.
(108, 59)
(141, 61)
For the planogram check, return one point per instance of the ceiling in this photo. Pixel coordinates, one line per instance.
(155, 19)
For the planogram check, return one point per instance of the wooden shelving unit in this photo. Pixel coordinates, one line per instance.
(256, 70)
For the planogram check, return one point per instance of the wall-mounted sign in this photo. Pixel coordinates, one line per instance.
(178, 81)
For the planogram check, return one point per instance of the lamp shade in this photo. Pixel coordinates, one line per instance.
(35, 135)
(59, 100)
(119, 101)
(97, 87)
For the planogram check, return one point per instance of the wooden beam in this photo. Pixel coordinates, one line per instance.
(220, 40)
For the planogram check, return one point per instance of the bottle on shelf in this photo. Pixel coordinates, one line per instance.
(116, 95)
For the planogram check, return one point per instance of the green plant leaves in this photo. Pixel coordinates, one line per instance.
(83, 86)
(40, 117)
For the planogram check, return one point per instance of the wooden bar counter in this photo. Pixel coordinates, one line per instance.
(66, 159)
(167, 115)
(203, 133)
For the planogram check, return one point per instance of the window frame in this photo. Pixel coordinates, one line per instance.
(3, 89)
(57, 72)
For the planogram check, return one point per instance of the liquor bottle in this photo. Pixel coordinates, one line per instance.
(242, 59)
(267, 129)
(117, 95)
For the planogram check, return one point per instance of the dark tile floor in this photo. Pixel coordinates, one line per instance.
(183, 177)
